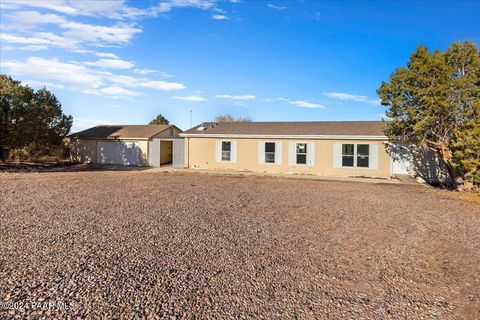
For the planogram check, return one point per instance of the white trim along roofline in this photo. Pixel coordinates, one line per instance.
(108, 139)
(275, 136)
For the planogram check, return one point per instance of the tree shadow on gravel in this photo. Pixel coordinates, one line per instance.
(19, 167)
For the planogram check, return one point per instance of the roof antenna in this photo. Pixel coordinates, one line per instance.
(191, 117)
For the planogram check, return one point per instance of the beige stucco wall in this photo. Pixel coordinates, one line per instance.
(200, 153)
(85, 150)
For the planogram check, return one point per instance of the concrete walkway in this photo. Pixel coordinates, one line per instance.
(279, 175)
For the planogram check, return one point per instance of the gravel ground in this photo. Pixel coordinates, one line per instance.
(186, 245)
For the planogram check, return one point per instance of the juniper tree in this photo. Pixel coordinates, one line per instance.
(30, 118)
(434, 101)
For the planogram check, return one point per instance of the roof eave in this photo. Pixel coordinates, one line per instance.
(278, 136)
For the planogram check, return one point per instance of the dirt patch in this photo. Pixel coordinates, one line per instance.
(468, 196)
(152, 244)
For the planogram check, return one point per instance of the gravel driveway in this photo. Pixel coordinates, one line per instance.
(154, 245)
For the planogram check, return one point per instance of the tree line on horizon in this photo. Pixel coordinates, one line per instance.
(160, 119)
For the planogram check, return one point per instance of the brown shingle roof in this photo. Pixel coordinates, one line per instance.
(317, 128)
(121, 132)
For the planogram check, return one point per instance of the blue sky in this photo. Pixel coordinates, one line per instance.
(120, 62)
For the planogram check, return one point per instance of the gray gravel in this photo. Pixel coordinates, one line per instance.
(185, 245)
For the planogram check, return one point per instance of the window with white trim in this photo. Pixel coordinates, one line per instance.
(269, 152)
(355, 155)
(363, 154)
(226, 150)
(301, 153)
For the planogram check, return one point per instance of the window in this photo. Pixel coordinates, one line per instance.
(269, 152)
(347, 155)
(226, 150)
(301, 151)
(356, 155)
(363, 151)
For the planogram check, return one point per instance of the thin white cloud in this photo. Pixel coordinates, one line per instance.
(272, 6)
(117, 91)
(145, 71)
(59, 6)
(76, 36)
(32, 18)
(302, 103)
(98, 34)
(90, 81)
(167, 6)
(111, 64)
(306, 104)
(27, 31)
(40, 84)
(117, 10)
(107, 55)
(30, 47)
(192, 98)
(10, 38)
(53, 69)
(134, 82)
(235, 97)
(343, 96)
(219, 17)
(112, 9)
(34, 48)
(72, 35)
(162, 85)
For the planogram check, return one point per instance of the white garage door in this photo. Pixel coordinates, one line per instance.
(402, 159)
(119, 152)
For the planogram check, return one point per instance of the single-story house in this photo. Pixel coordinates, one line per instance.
(336, 148)
(326, 148)
(140, 145)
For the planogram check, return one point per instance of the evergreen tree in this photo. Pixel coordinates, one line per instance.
(159, 120)
(435, 101)
(29, 118)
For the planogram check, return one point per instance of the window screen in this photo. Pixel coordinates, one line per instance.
(301, 153)
(363, 153)
(347, 155)
(226, 150)
(269, 152)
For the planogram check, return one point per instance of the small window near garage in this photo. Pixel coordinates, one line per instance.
(301, 153)
(347, 155)
(226, 150)
(363, 152)
(269, 152)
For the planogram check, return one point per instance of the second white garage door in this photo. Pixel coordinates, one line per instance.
(119, 152)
